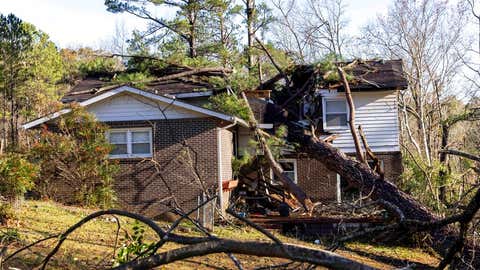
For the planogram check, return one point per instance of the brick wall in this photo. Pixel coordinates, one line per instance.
(317, 181)
(321, 183)
(185, 152)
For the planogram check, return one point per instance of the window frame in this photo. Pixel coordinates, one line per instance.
(295, 171)
(325, 113)
(129, 131)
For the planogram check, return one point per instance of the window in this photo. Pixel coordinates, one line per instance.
(335, 113)
(289, 167)
(130, 143)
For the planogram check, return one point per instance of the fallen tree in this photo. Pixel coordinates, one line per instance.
(444, 237)
(198, 245)
(415, 217)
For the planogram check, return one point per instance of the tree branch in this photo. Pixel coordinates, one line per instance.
(255, 248)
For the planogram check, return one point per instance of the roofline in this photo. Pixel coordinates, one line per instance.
(132, 90)
(193, 94)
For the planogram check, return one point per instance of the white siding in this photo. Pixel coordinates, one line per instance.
(378, 114)
(130, 107)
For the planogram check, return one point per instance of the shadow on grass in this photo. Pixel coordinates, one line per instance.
(389, 260)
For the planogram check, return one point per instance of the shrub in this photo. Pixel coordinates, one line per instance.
(6, 213)
(76, 156)
(10, 235)
(134, 246)
(16, 175)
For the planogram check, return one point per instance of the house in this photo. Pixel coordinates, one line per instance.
(173, 150)
(168, 150)
(376, 110)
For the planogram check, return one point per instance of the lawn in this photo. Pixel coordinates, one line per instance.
(92, 246)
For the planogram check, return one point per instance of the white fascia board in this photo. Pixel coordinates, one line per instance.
(193, 94)
(265, 126)
(45, 119)
(152, 96)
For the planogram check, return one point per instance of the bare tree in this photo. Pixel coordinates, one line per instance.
(426, 35)
(120, 38)
(312, 29)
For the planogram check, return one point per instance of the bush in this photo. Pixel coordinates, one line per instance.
(134, 246)
(6, 213)
(76, 156)
(16, 175)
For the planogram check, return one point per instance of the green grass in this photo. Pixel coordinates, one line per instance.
(92, 246)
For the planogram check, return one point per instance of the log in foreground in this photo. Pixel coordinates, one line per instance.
(254, 248)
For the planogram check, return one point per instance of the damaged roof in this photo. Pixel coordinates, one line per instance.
(370, 75)
(380, 74)
(93, 85)
(90, 87)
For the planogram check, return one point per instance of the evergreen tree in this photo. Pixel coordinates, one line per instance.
(30, 67)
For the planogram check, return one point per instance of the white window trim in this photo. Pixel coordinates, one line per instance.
(295, 170)
(129, 142)
(324, 113)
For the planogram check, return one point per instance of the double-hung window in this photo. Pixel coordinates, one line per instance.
(289, 167)
(335, 113)
(130, 142)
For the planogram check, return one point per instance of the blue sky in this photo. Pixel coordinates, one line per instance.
(75, 23)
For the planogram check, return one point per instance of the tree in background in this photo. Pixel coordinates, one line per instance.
(311, 29)
(15, 41)
(191, 32)
(30, 69)
(426, 35)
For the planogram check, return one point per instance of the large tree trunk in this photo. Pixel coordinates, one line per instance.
(360, 175)
(443, 173)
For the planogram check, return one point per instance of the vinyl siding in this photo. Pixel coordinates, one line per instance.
(131, 107)
(377, 113)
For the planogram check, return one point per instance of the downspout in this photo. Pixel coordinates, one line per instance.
(219, 161)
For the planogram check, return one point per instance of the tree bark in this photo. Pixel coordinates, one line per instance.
(255, 248)
(444, 171)
(360, 175)
(351, 118)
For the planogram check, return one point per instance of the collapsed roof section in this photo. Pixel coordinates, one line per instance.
(173, 81)
(369, 75)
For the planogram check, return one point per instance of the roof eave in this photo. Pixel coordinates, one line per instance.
(112, 92)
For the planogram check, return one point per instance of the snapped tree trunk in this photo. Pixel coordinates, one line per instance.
(351, 118)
